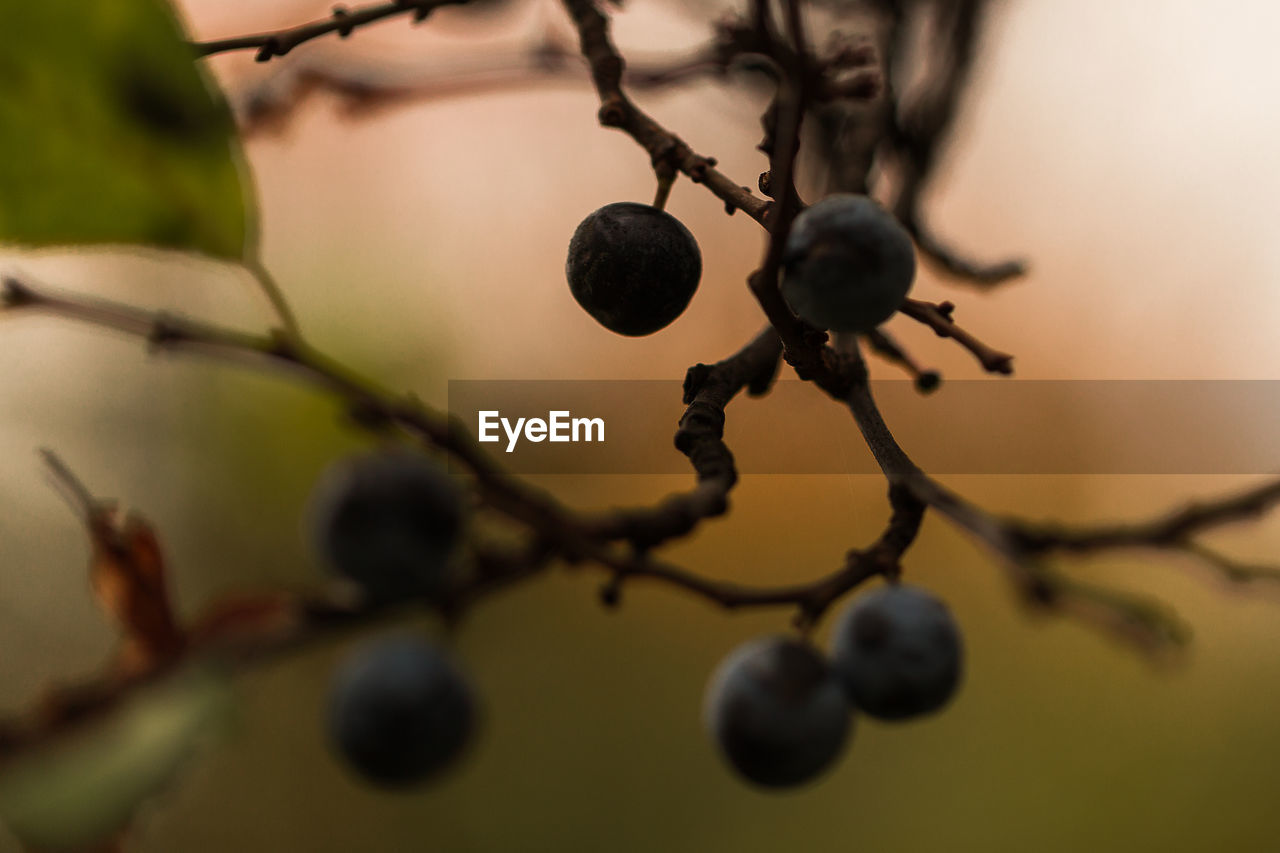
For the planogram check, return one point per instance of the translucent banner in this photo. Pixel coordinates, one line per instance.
(966, 427)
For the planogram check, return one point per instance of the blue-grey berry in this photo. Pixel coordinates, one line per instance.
(898, 652)
(633, 267)
(400, 711)
(777, 712)
(388, 520)
(848, 264)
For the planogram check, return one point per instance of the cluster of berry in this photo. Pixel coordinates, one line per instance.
(781, 713)
(390, 521)
(400, 710)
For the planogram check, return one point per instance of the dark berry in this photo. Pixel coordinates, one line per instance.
(777, 712)
(388, 520)
(898, 652)
(848, 264)
(633, 267)
(400, 711)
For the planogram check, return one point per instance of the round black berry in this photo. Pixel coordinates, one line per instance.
(898, 652)
(400, 711)
(388, 520)
(633, 267)
(777, 712)
(848, 264)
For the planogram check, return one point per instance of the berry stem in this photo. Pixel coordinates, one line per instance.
(666, 179)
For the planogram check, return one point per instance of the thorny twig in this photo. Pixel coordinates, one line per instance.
(707, 390)
(342, 21)
(938, 318)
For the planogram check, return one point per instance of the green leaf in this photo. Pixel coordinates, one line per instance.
(110, 133)
(87, 788)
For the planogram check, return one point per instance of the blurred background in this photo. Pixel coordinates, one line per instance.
(1125, 149)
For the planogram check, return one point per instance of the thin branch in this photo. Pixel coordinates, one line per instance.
(953, 262)
(938, 317)
(888, 348)
(343, 21)
(902, 134)
(708, 389)
(617, 110)
(285, 623)
(783, 122)
(812, 598)
(1236, 571)
(275, 295)
(269, 102)
(81, 500)
(1173, 530)
(920, 125)
(804, 347)
(1149, 625)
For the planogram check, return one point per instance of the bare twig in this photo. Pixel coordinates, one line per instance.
(275, 295)
(938, 317)
(902, 134)
(78, 496)
(955, 264)
(617, 110)
(269, 102)
(708, 389)
(783, 123)
(343, 21)
(283, 623)
(1236, 571)
(887, 347)
(1173, 530)
(1140, 621)
(921, 124)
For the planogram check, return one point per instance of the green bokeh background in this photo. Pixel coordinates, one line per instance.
(407, 244)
